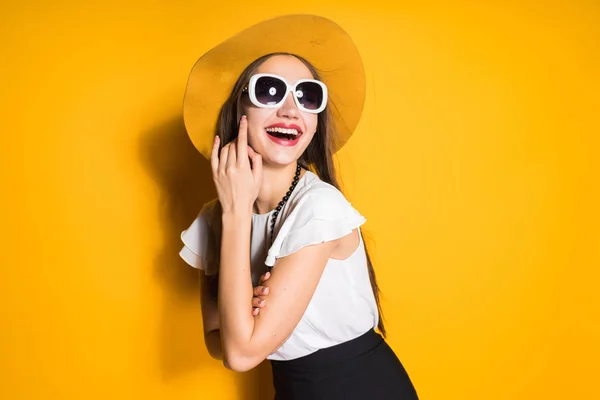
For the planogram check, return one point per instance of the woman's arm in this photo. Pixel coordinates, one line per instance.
(248, 340)
(210, 310)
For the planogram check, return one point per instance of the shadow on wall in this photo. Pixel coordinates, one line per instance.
(184, 178)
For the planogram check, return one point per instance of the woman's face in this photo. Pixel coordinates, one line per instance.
(273, 148)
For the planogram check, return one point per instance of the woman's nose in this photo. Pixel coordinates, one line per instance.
(289, 109)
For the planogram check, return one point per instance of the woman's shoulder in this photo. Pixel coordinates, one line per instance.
(211, 213)
(315, 192)
(201, 239)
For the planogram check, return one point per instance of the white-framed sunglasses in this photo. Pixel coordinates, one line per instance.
(270, 91)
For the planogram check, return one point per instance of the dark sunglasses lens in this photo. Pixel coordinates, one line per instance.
(310, 95)
(269, 91)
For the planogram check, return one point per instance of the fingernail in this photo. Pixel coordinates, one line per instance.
(268, 274)
(243, 117)
(265, 290)
(261, 302)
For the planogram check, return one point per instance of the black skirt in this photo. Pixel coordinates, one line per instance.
(362, 368)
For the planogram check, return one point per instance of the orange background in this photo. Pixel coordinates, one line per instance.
(475, 163)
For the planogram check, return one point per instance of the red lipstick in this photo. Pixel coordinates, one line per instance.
(286, 126)
(284, 141)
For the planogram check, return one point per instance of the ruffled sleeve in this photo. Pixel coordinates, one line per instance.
(321, 215)
(200, 244)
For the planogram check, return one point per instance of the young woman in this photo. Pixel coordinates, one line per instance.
(280, 208)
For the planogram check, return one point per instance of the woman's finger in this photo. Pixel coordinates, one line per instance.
(258, 302)
(214, 155)
(242, 141)
(223, 158)
(261, 291)
(264, 277)
(255, 311)
(232, 154)
(256, 164)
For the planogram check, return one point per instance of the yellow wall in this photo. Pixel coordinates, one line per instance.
(475, 163)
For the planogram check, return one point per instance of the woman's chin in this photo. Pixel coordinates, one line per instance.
(280, 158)
(281, 162)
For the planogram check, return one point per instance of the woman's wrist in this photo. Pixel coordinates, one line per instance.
(236, 216)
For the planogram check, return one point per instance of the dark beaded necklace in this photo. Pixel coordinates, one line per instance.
(284, 200)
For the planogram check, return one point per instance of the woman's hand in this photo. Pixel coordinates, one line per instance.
(258, 301)
(237, 181)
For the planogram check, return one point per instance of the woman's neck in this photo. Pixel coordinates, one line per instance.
(276, 182)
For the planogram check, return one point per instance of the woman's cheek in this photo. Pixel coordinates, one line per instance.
(253, 132)
(312, 127)
(313, 122)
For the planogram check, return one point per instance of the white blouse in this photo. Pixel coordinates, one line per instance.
(343, 306)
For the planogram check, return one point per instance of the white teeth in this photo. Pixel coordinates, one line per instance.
(282, 130)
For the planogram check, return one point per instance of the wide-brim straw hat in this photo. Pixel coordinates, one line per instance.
(319, 40)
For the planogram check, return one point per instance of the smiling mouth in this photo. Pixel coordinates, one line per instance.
(284, 133)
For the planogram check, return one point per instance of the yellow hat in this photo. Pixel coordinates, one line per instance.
(319, 40)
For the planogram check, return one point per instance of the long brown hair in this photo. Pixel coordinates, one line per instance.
(318, 156)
